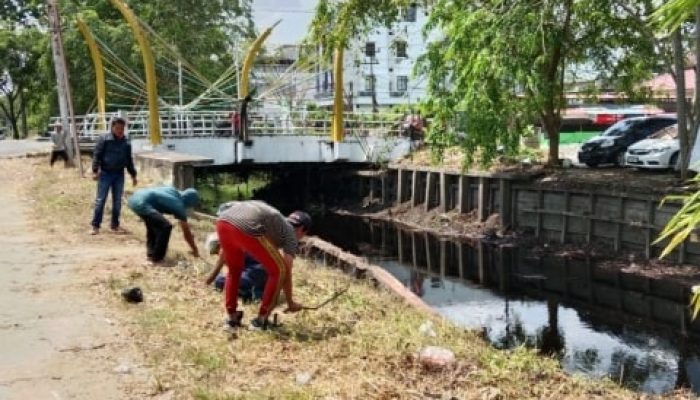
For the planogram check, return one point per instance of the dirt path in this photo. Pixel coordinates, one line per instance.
(55, 341)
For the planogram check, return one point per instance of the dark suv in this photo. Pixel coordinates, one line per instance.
(610, 147)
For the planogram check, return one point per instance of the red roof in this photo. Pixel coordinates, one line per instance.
(665, 82)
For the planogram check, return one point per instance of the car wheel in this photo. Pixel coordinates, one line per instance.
(620, 159)
(592, 164)
(673, 162)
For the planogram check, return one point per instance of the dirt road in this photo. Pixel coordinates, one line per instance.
(56, 342)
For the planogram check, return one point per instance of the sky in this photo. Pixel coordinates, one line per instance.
(295, 15)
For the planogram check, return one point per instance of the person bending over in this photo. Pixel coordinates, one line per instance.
(255, 228)
(150, 204)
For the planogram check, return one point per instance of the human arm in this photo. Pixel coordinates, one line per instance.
(217, 268)
(130, 165)
(97, 156)
(287, 284)
(189, 237)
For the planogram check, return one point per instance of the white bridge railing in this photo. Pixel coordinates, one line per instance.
(260, 122)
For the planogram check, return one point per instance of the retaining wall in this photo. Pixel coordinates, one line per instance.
(629, 221)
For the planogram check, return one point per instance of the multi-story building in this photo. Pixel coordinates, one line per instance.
(277, 77)
(378, 68)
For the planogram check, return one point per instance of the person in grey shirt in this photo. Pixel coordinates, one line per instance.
(261, 231)
(59, 146)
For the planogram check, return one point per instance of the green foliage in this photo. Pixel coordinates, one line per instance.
(197, 30)
(695, 301)
(335, 23)
(20, 55)
(505, 66)
(684, 222)
(673, 13)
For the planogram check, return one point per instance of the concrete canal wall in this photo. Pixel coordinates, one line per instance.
(622, 220)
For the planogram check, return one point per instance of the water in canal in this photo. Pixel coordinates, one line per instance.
(596, 322)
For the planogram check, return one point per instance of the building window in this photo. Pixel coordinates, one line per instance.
(401, 48)
(410, 13)
(401, 83)
(369, 83)
(370, 49)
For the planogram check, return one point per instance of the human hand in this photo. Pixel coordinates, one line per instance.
(293, 307)
(195, 253)
(134, 181)
(95, 176)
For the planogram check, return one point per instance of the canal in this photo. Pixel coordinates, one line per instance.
(596, 322)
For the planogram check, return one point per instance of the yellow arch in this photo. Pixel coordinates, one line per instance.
(338, 104)
(248, 61)
(149, 66)
(99, 71)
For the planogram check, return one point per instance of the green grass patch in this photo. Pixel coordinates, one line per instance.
(571, 137)
(219, 188)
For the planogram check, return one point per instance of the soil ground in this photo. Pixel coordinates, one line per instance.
(56, 341)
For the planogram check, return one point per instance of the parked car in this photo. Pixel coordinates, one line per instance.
(611, 145)
(605, 116)
(659, 151)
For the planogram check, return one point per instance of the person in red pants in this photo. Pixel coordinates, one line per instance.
(255, 228)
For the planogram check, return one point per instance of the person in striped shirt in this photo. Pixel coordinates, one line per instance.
(255, 228)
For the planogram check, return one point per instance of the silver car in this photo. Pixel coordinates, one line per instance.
(660, 150)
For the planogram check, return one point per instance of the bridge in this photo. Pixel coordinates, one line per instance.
(202, 126)
(274, 136)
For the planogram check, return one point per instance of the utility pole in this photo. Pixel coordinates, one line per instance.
(370, 52)
(179, 82)
(65, 102)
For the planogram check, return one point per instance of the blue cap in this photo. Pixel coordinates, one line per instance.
(190, 197)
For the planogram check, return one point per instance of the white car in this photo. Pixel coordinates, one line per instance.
(660, 151)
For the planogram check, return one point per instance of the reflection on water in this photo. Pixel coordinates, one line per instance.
(571, 310)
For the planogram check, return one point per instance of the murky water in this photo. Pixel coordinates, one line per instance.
(596, 322)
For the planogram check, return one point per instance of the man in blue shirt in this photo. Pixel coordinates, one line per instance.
(150, 204)
(111, 156)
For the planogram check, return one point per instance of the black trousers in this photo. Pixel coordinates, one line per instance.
(157, 235)
(56, 154)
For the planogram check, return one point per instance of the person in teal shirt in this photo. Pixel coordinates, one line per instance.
(150, 204)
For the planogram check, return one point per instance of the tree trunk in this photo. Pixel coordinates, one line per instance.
(693, 134)
(23, 112)
(680, 101)
(551, 125)
(11, 114)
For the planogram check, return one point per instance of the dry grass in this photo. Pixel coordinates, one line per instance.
(453, 160)
(360, 346)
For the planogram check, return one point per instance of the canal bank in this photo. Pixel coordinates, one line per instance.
(548, 298)
(594, 321)
(361, 346)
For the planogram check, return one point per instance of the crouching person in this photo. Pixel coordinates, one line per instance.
(150, 204)
(257, 229)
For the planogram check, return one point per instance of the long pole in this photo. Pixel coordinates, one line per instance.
(62, 84)
(179, 81)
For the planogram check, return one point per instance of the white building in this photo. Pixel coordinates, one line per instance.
(378, 70)
(278, 79)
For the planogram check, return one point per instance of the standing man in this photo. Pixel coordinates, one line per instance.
(112, 155)
(255, 228)
(150, 204)
(59, 146)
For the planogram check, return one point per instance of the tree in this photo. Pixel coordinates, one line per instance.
(19, 62)
(505, 64)
(205, 32)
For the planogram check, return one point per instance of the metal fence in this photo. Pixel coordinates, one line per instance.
(261, 121)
